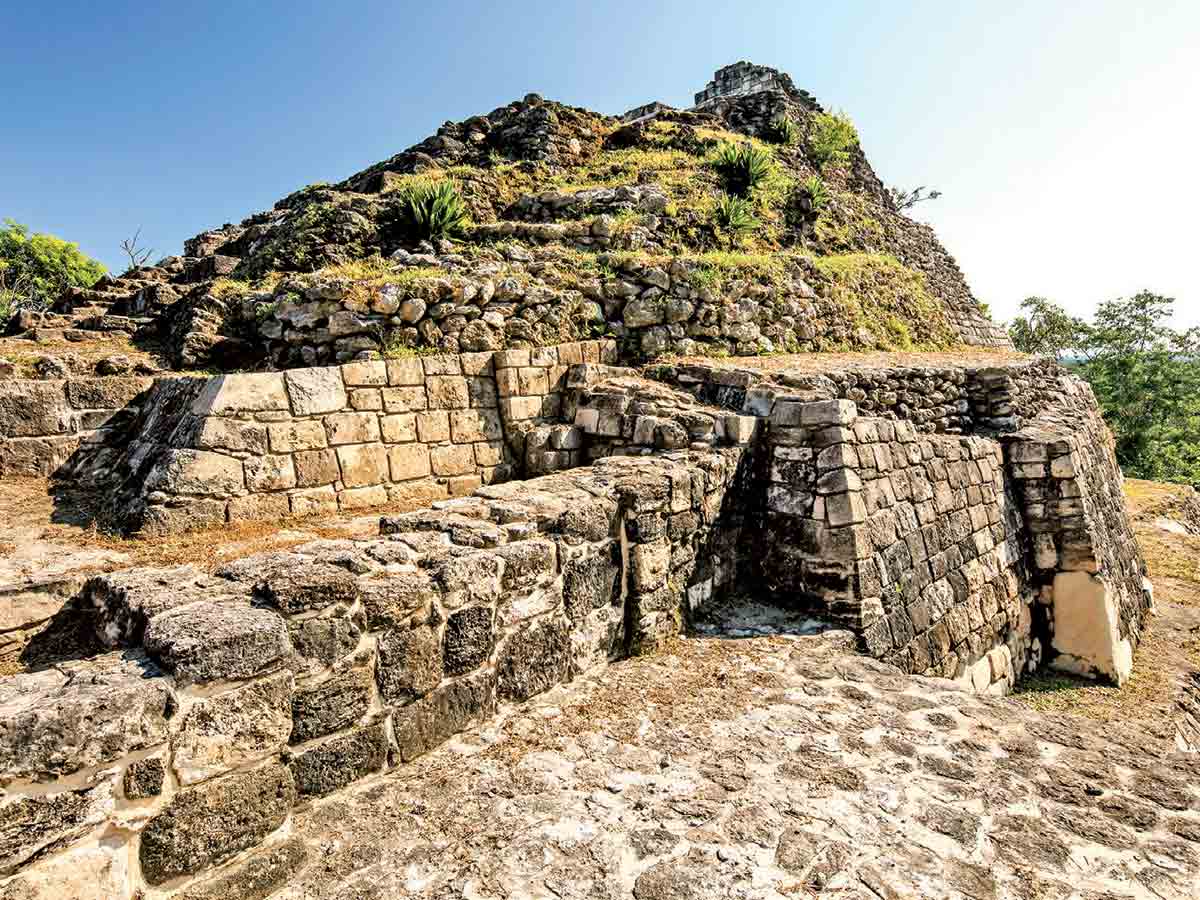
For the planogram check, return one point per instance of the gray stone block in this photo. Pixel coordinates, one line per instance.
(205, 642)
(335, 763)
(533, 659)
(81, 715)
(208, 823)
(469, 639)
(332, 705)
(409, 663)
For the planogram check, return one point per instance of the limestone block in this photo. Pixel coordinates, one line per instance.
(315, 467)
(316, 390)
(408, 461)
(416, 493)
(408, 371)
(489, 454)
(352, 428)
(332, 705)
(313, 501)
(363, 464)
(217, 734)
(125, 601)
(206, 824)
(409, 664)
(404, 399)
(293, 583)
(398, 429)
(447, 392)
(366, 399)
(216, 433)
(197, 472)
(335, 763)
(30, 824)
(508, 382)
(204, 642)
(511, 359)
(144, 778)
(518, 409)
(365, 373)
(650, 564)
(1087, 629)
(270, 473)
(325, 640)
(293, 436)
(845, 509)
(463, 485)
(453, 459)
(257, 877)
(247, 392)
(470, 426)
(469, 639)
(362, 497)
(590, 582)
(533, 659)
(105, 393)
(421, 726)
(433, 426)
(93, 870)
(80, 715)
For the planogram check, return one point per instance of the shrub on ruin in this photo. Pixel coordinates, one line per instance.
(816, 192)
(733, 217)
(36, 268)
(742, 168)
(830, 139)
(781, 130)
(433, 209)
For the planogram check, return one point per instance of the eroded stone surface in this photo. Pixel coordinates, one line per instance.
(204, 642)
(85, 714)
(769, 767)
(212, 821)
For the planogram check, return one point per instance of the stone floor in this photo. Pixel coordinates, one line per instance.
(775, 765)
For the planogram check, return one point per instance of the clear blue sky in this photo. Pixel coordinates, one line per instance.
(1064, 134)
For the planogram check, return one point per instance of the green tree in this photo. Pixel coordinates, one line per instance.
(36, 268)
(830, 138)
(1146, 376)
(1046, 329)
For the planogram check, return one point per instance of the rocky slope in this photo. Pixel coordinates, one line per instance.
(580, 224)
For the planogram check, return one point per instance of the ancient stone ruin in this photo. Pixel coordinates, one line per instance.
(576, 454)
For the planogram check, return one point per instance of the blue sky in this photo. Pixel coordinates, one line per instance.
(1063, 135)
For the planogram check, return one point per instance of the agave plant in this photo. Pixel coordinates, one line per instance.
(742, 167)
(781, 130)
(734, 216)
(818, 194)
(434, 209)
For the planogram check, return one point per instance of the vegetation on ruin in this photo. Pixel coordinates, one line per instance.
(36, 268)
(890, 301)
(742, 168)
(782, 130)
(830, 139)
(432, 210)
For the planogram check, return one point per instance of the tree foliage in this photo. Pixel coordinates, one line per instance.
(1145, 374)
(1046, 329)
(36, 268)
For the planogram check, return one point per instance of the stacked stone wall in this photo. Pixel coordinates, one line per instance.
(912, 540)
(231, 698)
(343, 438)
(44, 424)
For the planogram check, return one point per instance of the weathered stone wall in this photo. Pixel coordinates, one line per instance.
(43, 424)
(327, 439)
(913, 541)
(1093, 593)
(287, 676)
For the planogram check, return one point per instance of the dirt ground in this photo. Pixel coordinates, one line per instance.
(1167, 661)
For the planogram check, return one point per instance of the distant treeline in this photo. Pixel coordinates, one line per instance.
(1146, 376)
